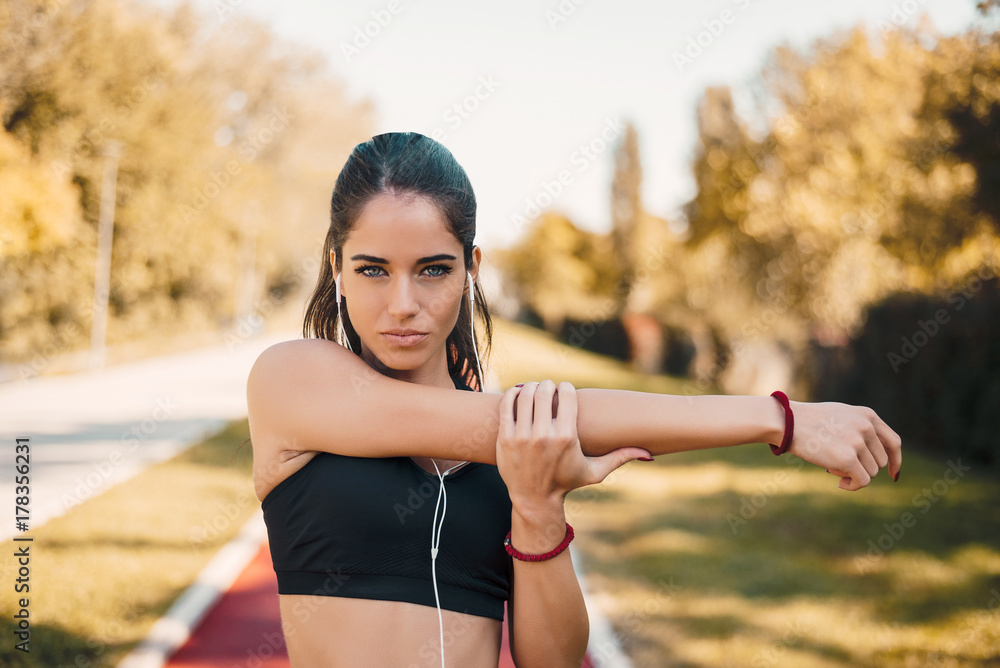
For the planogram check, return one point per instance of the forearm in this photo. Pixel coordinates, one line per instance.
(662, 423)
(550, 621)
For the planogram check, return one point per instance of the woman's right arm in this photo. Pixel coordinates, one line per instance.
(314, 395)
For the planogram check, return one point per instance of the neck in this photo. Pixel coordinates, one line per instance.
(434, 373)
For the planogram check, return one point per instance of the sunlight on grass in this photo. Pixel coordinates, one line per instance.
(521, 353)
(683, 587)
(103, 573)
(732, 557)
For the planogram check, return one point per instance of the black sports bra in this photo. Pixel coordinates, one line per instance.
(360, 527)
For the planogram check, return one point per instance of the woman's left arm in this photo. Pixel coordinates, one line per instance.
(540, 460)
(546, 615)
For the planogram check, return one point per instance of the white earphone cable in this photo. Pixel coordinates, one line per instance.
(436, 541)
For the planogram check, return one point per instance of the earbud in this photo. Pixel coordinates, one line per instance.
(340, 317)
(472, 288)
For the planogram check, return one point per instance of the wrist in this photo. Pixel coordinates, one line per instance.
(774, 415)
(538, 530)
(538, 508)
(788, 432)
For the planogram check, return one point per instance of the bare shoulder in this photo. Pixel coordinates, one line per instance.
(288, 356)
(283, 375)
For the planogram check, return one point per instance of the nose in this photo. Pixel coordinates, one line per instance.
(403, 298)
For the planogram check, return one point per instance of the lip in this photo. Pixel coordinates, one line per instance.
(405, 337)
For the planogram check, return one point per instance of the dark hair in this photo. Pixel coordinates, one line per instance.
(400, 163)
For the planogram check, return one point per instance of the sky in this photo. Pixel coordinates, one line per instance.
(531, 96)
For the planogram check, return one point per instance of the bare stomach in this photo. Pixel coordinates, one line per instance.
(335, 632)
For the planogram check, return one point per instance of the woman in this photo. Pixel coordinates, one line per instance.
(402, 513)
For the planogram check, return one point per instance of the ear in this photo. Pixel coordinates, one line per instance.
(477, 256)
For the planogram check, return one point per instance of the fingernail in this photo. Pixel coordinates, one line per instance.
(645, 459)
(519, 385)
(895, 478)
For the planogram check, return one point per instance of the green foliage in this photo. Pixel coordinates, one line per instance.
(230, 140)
(874, 175)
(930, 367)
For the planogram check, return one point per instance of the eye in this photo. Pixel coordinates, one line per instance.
(439, 270)
(363, 270)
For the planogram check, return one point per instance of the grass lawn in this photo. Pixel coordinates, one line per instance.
(735, 557)
(104, 572)
(728, 557)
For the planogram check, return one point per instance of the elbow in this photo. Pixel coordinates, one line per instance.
(565, 650)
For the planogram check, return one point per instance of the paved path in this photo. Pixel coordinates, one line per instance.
(89, 431)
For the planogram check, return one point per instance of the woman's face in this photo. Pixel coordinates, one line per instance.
(403, 280)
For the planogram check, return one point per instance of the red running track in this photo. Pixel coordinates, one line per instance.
(243, 630)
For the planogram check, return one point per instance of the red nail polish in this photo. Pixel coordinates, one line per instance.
(519, 385)
(645, 459)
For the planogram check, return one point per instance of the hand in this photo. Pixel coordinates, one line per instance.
(538, 455)
(851, 442)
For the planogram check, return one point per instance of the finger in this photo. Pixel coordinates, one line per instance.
(855, 480)
(525, 407)
(601, 467)
(872, 441)
(867, 459)
(893, 445)
(566, 417)
(507, 412)
(543, 409)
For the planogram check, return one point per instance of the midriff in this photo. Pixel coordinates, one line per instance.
(335, 632)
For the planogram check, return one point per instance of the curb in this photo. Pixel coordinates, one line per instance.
(603, 648)
(171, 631)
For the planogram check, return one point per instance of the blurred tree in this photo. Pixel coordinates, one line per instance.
(626, 212)
(561, 271)
(229, 135)
(829, 211)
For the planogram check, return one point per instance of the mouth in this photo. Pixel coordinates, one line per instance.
(405, 337)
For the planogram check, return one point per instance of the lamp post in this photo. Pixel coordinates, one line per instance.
(105, 232)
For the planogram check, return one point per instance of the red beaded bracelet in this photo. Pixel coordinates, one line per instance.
(786, 440)
(539, 557)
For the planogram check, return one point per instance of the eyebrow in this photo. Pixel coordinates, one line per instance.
(381, 260)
